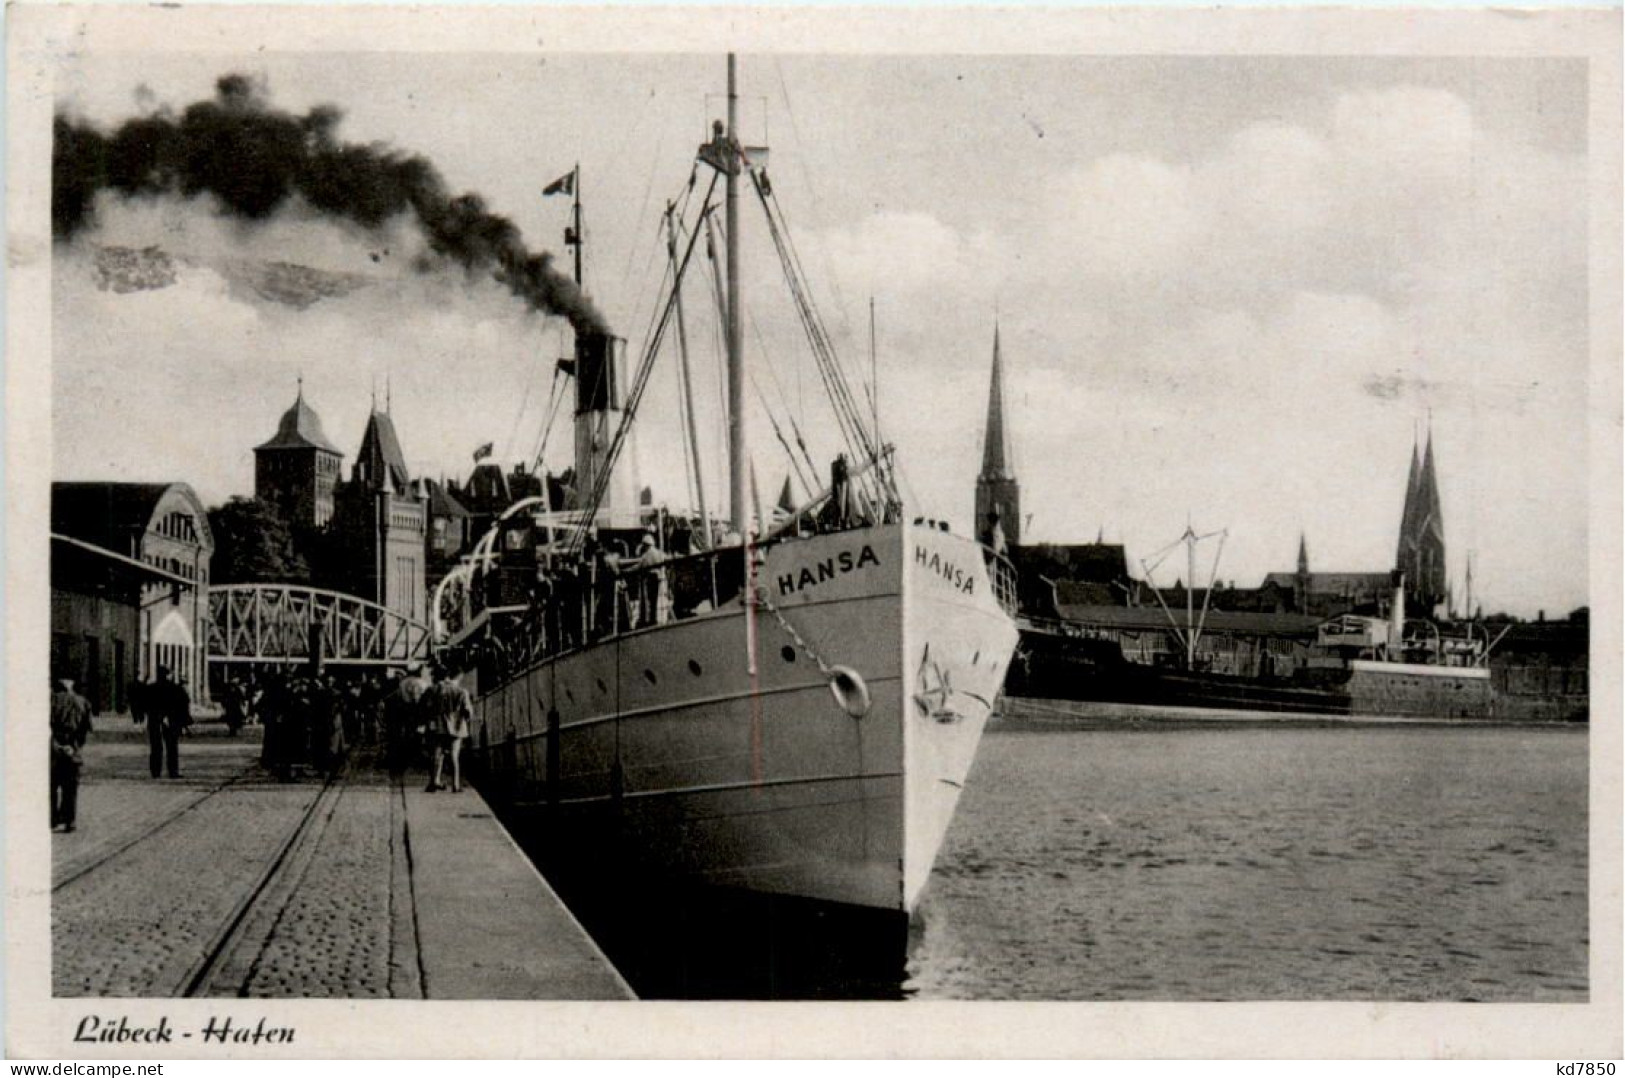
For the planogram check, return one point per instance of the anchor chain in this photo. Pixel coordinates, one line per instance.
(801, 643)
(846, 685)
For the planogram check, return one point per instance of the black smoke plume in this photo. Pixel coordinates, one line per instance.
(254, 159)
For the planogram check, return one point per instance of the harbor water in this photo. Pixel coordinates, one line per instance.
(1149, 856)
(1203, 861)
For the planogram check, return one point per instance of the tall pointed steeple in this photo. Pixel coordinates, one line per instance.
(1421, 534)
(1432, 587)
(1432, 519)
(1407, 519)
(998, 458)
(998, 495)
(1303, 580)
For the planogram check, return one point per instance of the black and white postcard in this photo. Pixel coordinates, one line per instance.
(767, 532)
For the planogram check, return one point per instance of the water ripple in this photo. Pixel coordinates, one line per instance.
(1421, 863)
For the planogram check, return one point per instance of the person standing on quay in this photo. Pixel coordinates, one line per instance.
(403, 717)
(70, 727)
(449, 709)
(169, 711)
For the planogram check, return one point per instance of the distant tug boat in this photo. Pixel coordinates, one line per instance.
(793, 715)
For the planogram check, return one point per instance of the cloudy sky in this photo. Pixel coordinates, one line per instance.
(1230, 290)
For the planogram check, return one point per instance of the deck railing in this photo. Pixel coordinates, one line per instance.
(1003, 576)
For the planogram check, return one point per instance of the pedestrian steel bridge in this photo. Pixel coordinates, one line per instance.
(289, 623)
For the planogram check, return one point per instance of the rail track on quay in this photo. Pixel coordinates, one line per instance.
(227, 965)
(245, 887)
(354, 885)
(77, 870)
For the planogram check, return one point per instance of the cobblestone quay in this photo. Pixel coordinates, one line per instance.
(226, 882)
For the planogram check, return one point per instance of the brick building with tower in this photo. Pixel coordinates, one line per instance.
(381, 525)
(368, 536)
(298, 469)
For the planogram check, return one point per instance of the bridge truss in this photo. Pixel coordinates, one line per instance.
(284, 623)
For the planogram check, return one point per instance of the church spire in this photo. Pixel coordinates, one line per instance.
(998, 459)
(998, 495)
(1408, 519)
(1303, 554)
(1431, 514)
(1421, 555)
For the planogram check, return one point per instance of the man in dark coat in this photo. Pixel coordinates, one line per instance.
(70, 726)
(138, 700)
(402, 719)
(169, 711)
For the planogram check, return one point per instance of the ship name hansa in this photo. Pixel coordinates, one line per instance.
(960, 578)
(842, 563)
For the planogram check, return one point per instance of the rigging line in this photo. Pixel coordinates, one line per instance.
(653, 296)
(806, 178)
(1212, 581)
(524, 400)
(802, 442)
(789, 237)
(711, 245)
(555, 401)
(767, 409)
(547, 409)
(1159, 556)
(812, 466)
(693, 480)
(778, 433)
(655, 250)
(836, 378)
(552, 406)
(719, 342)
(648, 186)
(829, 371)
(803, 315)
(639, 385)
(784, 400)
(666, 273)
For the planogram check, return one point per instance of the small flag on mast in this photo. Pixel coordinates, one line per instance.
(564, 185)
(484, 451)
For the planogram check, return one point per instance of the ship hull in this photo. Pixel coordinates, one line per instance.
(1059, 667)
(712, 750)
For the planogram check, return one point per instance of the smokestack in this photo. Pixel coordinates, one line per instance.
(600, 388)
(598, 373)
(256, 161)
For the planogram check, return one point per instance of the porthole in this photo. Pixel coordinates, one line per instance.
(601, 686)
(694, 668)
(789, 653)
(649, 675)
(571, 695)
(974, 659)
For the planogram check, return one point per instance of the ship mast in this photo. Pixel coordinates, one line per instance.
(737, 472)
(1192, 632)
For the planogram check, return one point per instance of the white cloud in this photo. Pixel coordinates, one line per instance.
(1124, 216)
(1246, 331)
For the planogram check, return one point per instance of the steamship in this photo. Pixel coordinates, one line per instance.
(1356, 665)
(783, 707)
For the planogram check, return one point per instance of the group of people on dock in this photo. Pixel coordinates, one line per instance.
(314, 721)
(310, 721)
